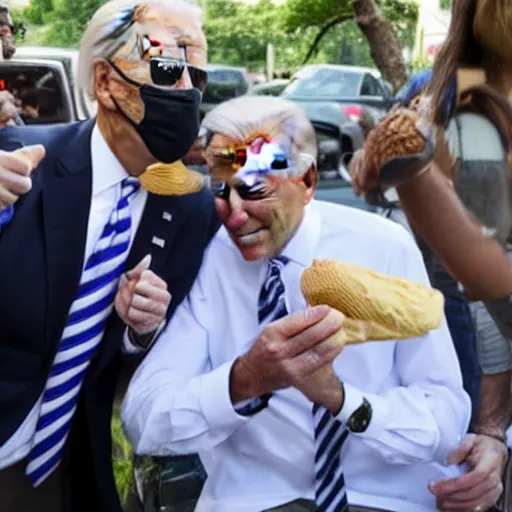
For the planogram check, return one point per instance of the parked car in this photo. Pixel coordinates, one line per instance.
(63, 62)
(355, 89)
(271, 88)
(347, 99)
(224, 83)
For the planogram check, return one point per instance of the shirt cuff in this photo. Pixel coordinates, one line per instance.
(215, 399)
(380, 410)
(131, 348)
(128, 346)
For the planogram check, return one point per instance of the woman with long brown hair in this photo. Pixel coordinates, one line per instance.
(469, 93)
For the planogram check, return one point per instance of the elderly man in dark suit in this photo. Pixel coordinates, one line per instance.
(75, 223)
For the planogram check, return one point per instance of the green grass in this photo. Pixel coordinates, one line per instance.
(122, 459)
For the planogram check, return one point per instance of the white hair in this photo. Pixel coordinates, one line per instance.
(247, 117)
(95, 46)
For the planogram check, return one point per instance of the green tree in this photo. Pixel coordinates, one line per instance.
(38, 10)
(64, 20)
(325, 15)
(238, 33)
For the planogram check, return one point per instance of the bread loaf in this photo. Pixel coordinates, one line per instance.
(376, 306)
(171, 179)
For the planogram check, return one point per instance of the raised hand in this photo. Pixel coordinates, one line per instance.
(142, 298)
(16, 168)
(8, 110)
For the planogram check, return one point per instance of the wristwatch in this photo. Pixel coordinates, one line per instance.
(142, 341)
(360, 419)
(254, 405)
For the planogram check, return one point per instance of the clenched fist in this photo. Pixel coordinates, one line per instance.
(8, 110)
(15, 172)
(142, 299)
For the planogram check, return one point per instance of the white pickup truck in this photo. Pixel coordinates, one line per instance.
(43, 79)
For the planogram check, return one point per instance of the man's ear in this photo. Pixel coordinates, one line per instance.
(310, 180)
(101, 77)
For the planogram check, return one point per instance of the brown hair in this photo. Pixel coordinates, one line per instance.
(462, 50)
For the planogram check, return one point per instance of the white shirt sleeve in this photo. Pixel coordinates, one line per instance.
(176, 403)
(427, 415)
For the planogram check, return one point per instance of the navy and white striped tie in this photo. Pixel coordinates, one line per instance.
(81, 337)
(271, 304)
(271, 307)
(330, 434)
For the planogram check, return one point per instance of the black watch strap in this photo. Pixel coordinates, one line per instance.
(360, 419)
(143, 341)
(254, 406)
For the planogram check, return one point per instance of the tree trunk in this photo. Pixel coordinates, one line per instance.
(384, 47)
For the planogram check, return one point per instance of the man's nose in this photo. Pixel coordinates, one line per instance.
(237, 215)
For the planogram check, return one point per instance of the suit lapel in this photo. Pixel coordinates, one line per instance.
(66, 204)
(159, 224)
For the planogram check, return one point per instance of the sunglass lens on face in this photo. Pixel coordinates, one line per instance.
(258, 190)
(167, 72)
(199, 77)
(220, 189)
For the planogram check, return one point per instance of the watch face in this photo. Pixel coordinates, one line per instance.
(361, 418)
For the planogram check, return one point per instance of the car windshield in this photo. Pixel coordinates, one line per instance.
(39, 91)
(224, 84)
(325, 82)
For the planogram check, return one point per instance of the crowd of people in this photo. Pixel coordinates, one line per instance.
(202, 288)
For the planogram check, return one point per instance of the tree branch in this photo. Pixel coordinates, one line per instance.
(323, 31)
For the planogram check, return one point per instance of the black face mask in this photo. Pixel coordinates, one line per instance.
(171, 120)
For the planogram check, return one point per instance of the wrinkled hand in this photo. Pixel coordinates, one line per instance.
(8, 109)
(142, 298)
(15, 172)
(287, 352)
(481, 486)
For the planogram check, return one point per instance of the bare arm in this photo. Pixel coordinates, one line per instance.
(494, 411)
(437, 214)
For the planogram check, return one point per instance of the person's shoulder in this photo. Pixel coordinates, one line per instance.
(461, 134)
(197, 205)
(338, 220)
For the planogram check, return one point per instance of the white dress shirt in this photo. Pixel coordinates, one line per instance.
(107, 174)
(179, 402)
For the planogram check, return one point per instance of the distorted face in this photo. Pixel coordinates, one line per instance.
(259, 202)
(163, 40)
(7, 39)
(154, 77)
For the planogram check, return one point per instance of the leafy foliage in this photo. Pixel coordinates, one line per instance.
(238, 33)
(402, 15)
(64, 20)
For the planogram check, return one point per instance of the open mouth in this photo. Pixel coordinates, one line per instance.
(249, 238)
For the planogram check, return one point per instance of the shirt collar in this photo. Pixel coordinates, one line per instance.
(302, 247)
(107, 171)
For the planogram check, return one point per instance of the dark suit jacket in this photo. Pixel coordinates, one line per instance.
(41, 258)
